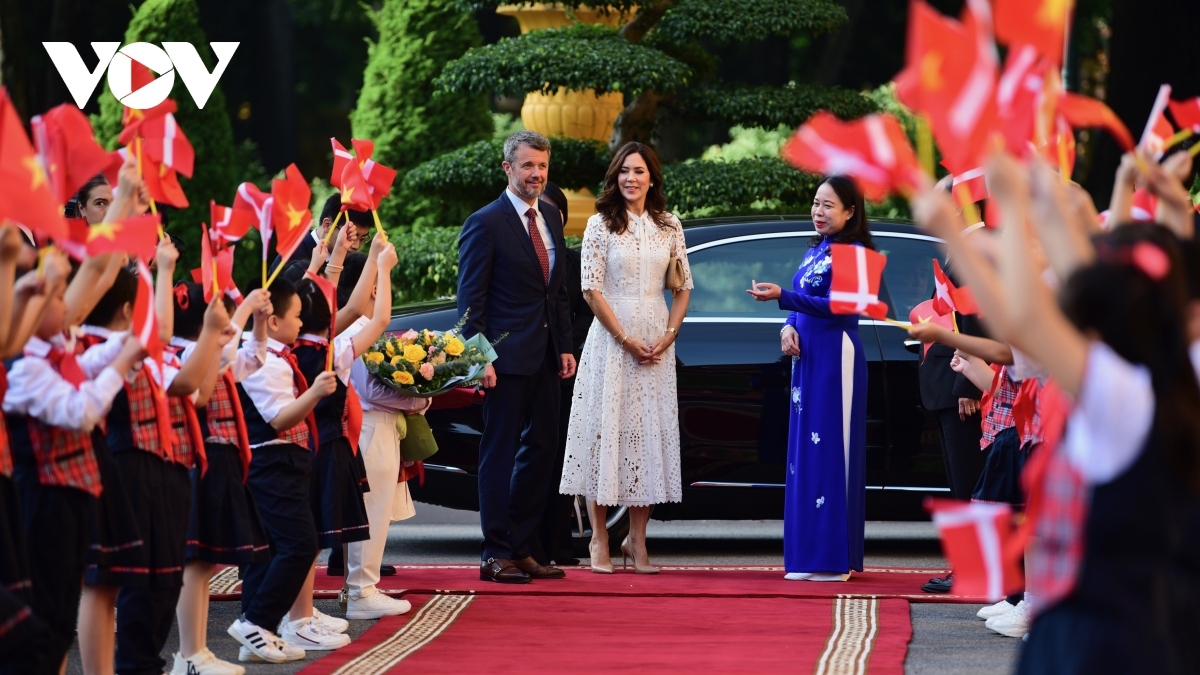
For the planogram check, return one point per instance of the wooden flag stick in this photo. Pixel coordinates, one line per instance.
(333, 227)
(901, 324)
(963, 194)
(925, 145)
(1178, 137)
(1194, 150)
(378, 225)
(264, 273)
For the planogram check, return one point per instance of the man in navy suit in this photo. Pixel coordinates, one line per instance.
(511, 267)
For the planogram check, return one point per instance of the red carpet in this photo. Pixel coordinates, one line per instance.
(512, 632)
(690, 581)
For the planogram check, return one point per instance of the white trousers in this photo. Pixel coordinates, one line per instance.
(387, 500)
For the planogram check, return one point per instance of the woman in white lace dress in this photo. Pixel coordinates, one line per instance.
(623, 439)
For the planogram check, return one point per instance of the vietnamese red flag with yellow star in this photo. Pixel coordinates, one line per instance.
(353, 187)
(1186, 113)
(228, 224)
(162, 182)
(68, 149)
(26, 197)
(872, 150)
(136, 236)
(1019, 94)
(926, 312)
(1041, 24)
(379, 178)
(290, 215)
(950, 75)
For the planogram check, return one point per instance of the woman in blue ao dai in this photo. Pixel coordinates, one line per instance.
(826, 478)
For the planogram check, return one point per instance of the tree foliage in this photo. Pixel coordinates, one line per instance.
(472, 175)
(749, 20)
(397, 107)
(768, 107)
(215, 176)
(575, 57)
(699, 189)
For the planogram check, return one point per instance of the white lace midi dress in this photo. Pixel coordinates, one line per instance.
(623, 438)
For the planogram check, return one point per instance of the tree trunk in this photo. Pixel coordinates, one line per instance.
(1152, 43)
(636, 122)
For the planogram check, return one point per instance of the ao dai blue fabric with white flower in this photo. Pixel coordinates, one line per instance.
(826, 478)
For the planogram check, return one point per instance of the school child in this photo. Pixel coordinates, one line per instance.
(141, 442)
(224, 527)
(62, 396)
(278, 404)
(389, 499)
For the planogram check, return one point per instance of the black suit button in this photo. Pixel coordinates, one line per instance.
(545, 325)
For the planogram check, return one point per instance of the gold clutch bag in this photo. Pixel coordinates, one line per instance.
(675, 277)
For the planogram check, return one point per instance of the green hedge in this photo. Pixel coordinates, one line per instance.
(698, 189)
(428, 266)
(749, 20)
(574, 57)
(473, 174)
(767, 106)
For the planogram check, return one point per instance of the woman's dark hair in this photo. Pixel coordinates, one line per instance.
(352, 269)
(123, 290)
(856, 230)
(189, 309)
(611, 204)
(1144, 322)
(85, 192)
(557, 197)
(314, 310)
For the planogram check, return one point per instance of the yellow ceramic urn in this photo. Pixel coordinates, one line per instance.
(573, 114)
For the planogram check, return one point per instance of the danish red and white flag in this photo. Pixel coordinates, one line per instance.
(255, 207)
(165, 143)
(855, 285)
(974, 536)
(948, 297)
(229, 225)
(1158, 127)
(145, 324)
(872, 150)
(1186, 113)
(969, 182)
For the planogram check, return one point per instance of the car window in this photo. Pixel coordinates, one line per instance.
(908, 276)
(722, 273)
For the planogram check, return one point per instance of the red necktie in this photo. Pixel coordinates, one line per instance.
(539, 246)
(301, 385)
(352, 417)
(66, 365)
(240, 421)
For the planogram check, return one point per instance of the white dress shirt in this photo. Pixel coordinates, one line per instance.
(544, 230)
(36, 389)
(373, 394)
(245, 356)
(271, 388)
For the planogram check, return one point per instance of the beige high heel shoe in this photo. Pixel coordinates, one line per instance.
(597, 566)
(627, 553)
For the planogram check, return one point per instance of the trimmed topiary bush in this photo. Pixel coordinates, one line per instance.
(397, 108)
(428, 267)
(215, 177)
(756, 185)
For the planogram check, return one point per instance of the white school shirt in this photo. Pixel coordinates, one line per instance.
(36, 389)
(163, 379)
(1113, 416)
(543, 229)
(244, 356)
(271, 387)
(373, 394)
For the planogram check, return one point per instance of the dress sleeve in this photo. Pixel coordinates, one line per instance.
(679, 250)
(594, 254)
(1113, 416)
(804, 304)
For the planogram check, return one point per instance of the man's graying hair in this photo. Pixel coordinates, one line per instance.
(524, 137)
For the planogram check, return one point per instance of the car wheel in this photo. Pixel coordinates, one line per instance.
(616, 522)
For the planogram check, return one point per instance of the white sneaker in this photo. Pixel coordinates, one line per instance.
(1002, 607)
(797, 576)
(312, 636)
(204, 662)
(376, 606)
(256, 641)
(290, 653)
(333, 623)
(1013, 623)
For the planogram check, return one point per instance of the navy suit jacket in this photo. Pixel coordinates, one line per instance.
(500, 281)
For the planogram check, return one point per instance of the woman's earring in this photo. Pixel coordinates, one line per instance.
(652, 185)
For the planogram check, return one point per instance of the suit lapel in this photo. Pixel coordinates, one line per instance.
(517, 222)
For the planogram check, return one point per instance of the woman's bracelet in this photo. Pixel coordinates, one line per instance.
(673, 330)
(621, 338)
(334, 268)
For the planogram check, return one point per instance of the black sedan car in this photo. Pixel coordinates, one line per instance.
(734, 383)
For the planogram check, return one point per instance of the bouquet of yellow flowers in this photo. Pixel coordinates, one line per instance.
(426, 363)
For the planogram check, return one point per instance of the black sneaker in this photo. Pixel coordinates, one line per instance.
(939, 584)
